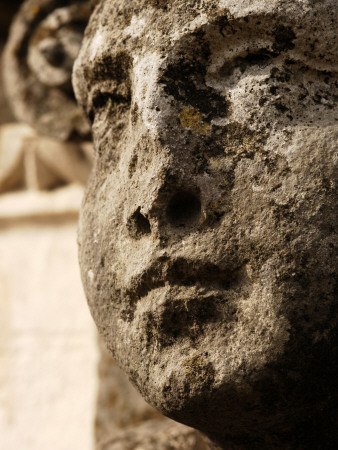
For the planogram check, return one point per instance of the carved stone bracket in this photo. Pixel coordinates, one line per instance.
(44, 41)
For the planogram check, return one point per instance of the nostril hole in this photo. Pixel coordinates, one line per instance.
(184, 209)
(138, 225)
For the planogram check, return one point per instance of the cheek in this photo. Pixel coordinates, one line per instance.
(98, 224)
(110, 139)
(146, 87)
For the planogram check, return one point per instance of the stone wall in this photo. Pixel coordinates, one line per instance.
(48, 350)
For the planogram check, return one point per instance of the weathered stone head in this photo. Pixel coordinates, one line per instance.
(207, 230)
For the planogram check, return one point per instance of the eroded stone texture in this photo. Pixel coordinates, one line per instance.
(44, 41)
(125, 421)
(207, 231)
(119, 405)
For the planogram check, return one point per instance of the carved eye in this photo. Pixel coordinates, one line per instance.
(103, 100)
(99, 101)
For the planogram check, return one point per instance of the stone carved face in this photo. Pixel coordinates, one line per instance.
(206, 236)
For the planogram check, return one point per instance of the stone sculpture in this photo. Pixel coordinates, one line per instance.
(207, 230)
(207, 233)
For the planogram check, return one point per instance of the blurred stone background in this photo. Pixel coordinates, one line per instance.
(7, 10)
(48, 351)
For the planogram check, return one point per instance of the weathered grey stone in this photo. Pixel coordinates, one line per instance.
(207, 230)
(44, 41)
(119, 405)
(125, 421)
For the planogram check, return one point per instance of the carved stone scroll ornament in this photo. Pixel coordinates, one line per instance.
(44, 41)
(207, 241)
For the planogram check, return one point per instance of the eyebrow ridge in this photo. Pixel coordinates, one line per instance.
(109, 67)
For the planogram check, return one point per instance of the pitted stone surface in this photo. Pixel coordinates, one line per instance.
(207, 230)
(44, 41)
(119, 405)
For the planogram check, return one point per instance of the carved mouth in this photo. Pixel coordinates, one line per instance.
(198, 294)
(183, 272)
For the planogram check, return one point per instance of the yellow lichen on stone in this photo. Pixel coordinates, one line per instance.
(191, 118)
(192, 368)
(198, 372)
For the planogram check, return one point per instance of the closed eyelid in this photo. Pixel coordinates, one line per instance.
(109, 67)
(109, 88)
(101, 94)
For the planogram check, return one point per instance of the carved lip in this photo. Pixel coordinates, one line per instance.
(182, 272)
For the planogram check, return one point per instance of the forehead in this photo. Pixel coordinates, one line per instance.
(144, 36)
(160, 24)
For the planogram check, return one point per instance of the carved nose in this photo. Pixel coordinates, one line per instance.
(183, 210)
(138, 225)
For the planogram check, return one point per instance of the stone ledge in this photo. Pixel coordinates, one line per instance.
(25, 205)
